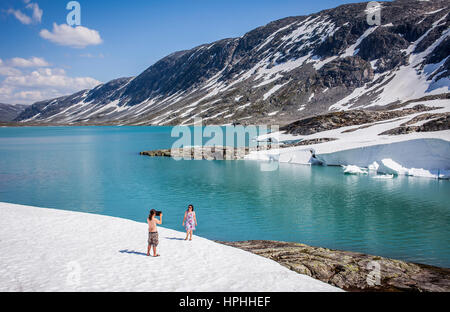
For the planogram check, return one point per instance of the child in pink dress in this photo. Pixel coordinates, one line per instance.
(189, 222)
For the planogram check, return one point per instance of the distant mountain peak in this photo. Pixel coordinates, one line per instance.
(9, 112)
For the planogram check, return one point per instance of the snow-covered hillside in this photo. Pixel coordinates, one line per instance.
(281, 72)
(55, 250)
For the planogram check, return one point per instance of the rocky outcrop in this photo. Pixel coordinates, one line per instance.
(338, 120)
(434, 33)
(438, 54)
(351, 271)
(224, 152)
(206, 152)
(157, 153)
(309, 142)
(385, 47)
(438, 122)
(351, 72)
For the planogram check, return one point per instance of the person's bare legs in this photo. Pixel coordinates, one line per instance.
(190, 233)
(187, 235)
(154, 252)
(148, 251)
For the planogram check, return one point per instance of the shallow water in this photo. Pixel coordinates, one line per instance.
(99, 170)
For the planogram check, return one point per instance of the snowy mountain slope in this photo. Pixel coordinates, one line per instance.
(281, 72)
(9, 112)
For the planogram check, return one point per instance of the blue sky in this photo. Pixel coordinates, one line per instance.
(120, 38)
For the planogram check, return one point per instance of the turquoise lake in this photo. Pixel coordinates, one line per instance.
(99, 170)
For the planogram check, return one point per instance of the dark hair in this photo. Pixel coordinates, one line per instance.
(152, 213)
(191, 206)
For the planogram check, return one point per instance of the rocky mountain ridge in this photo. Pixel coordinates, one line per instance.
(284, 71)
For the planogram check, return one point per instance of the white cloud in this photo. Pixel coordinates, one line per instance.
(9, 67)
(9, 71)
(6, 70)
(76, 37)
(51, 77)
(5, 91)
(28, 96)
(23, 18)
(31, 62)
(41, 84)
(37, 12)
(35, 18)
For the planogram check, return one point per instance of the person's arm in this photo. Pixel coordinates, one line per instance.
(184, 217)
(160, 219)
(195, 219)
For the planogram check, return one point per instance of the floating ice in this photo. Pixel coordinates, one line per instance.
(384, 176)
(420, 173)
(374, 166)
(351, 169)
(388, 166)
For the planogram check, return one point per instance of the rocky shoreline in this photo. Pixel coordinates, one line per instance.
(351, 271)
